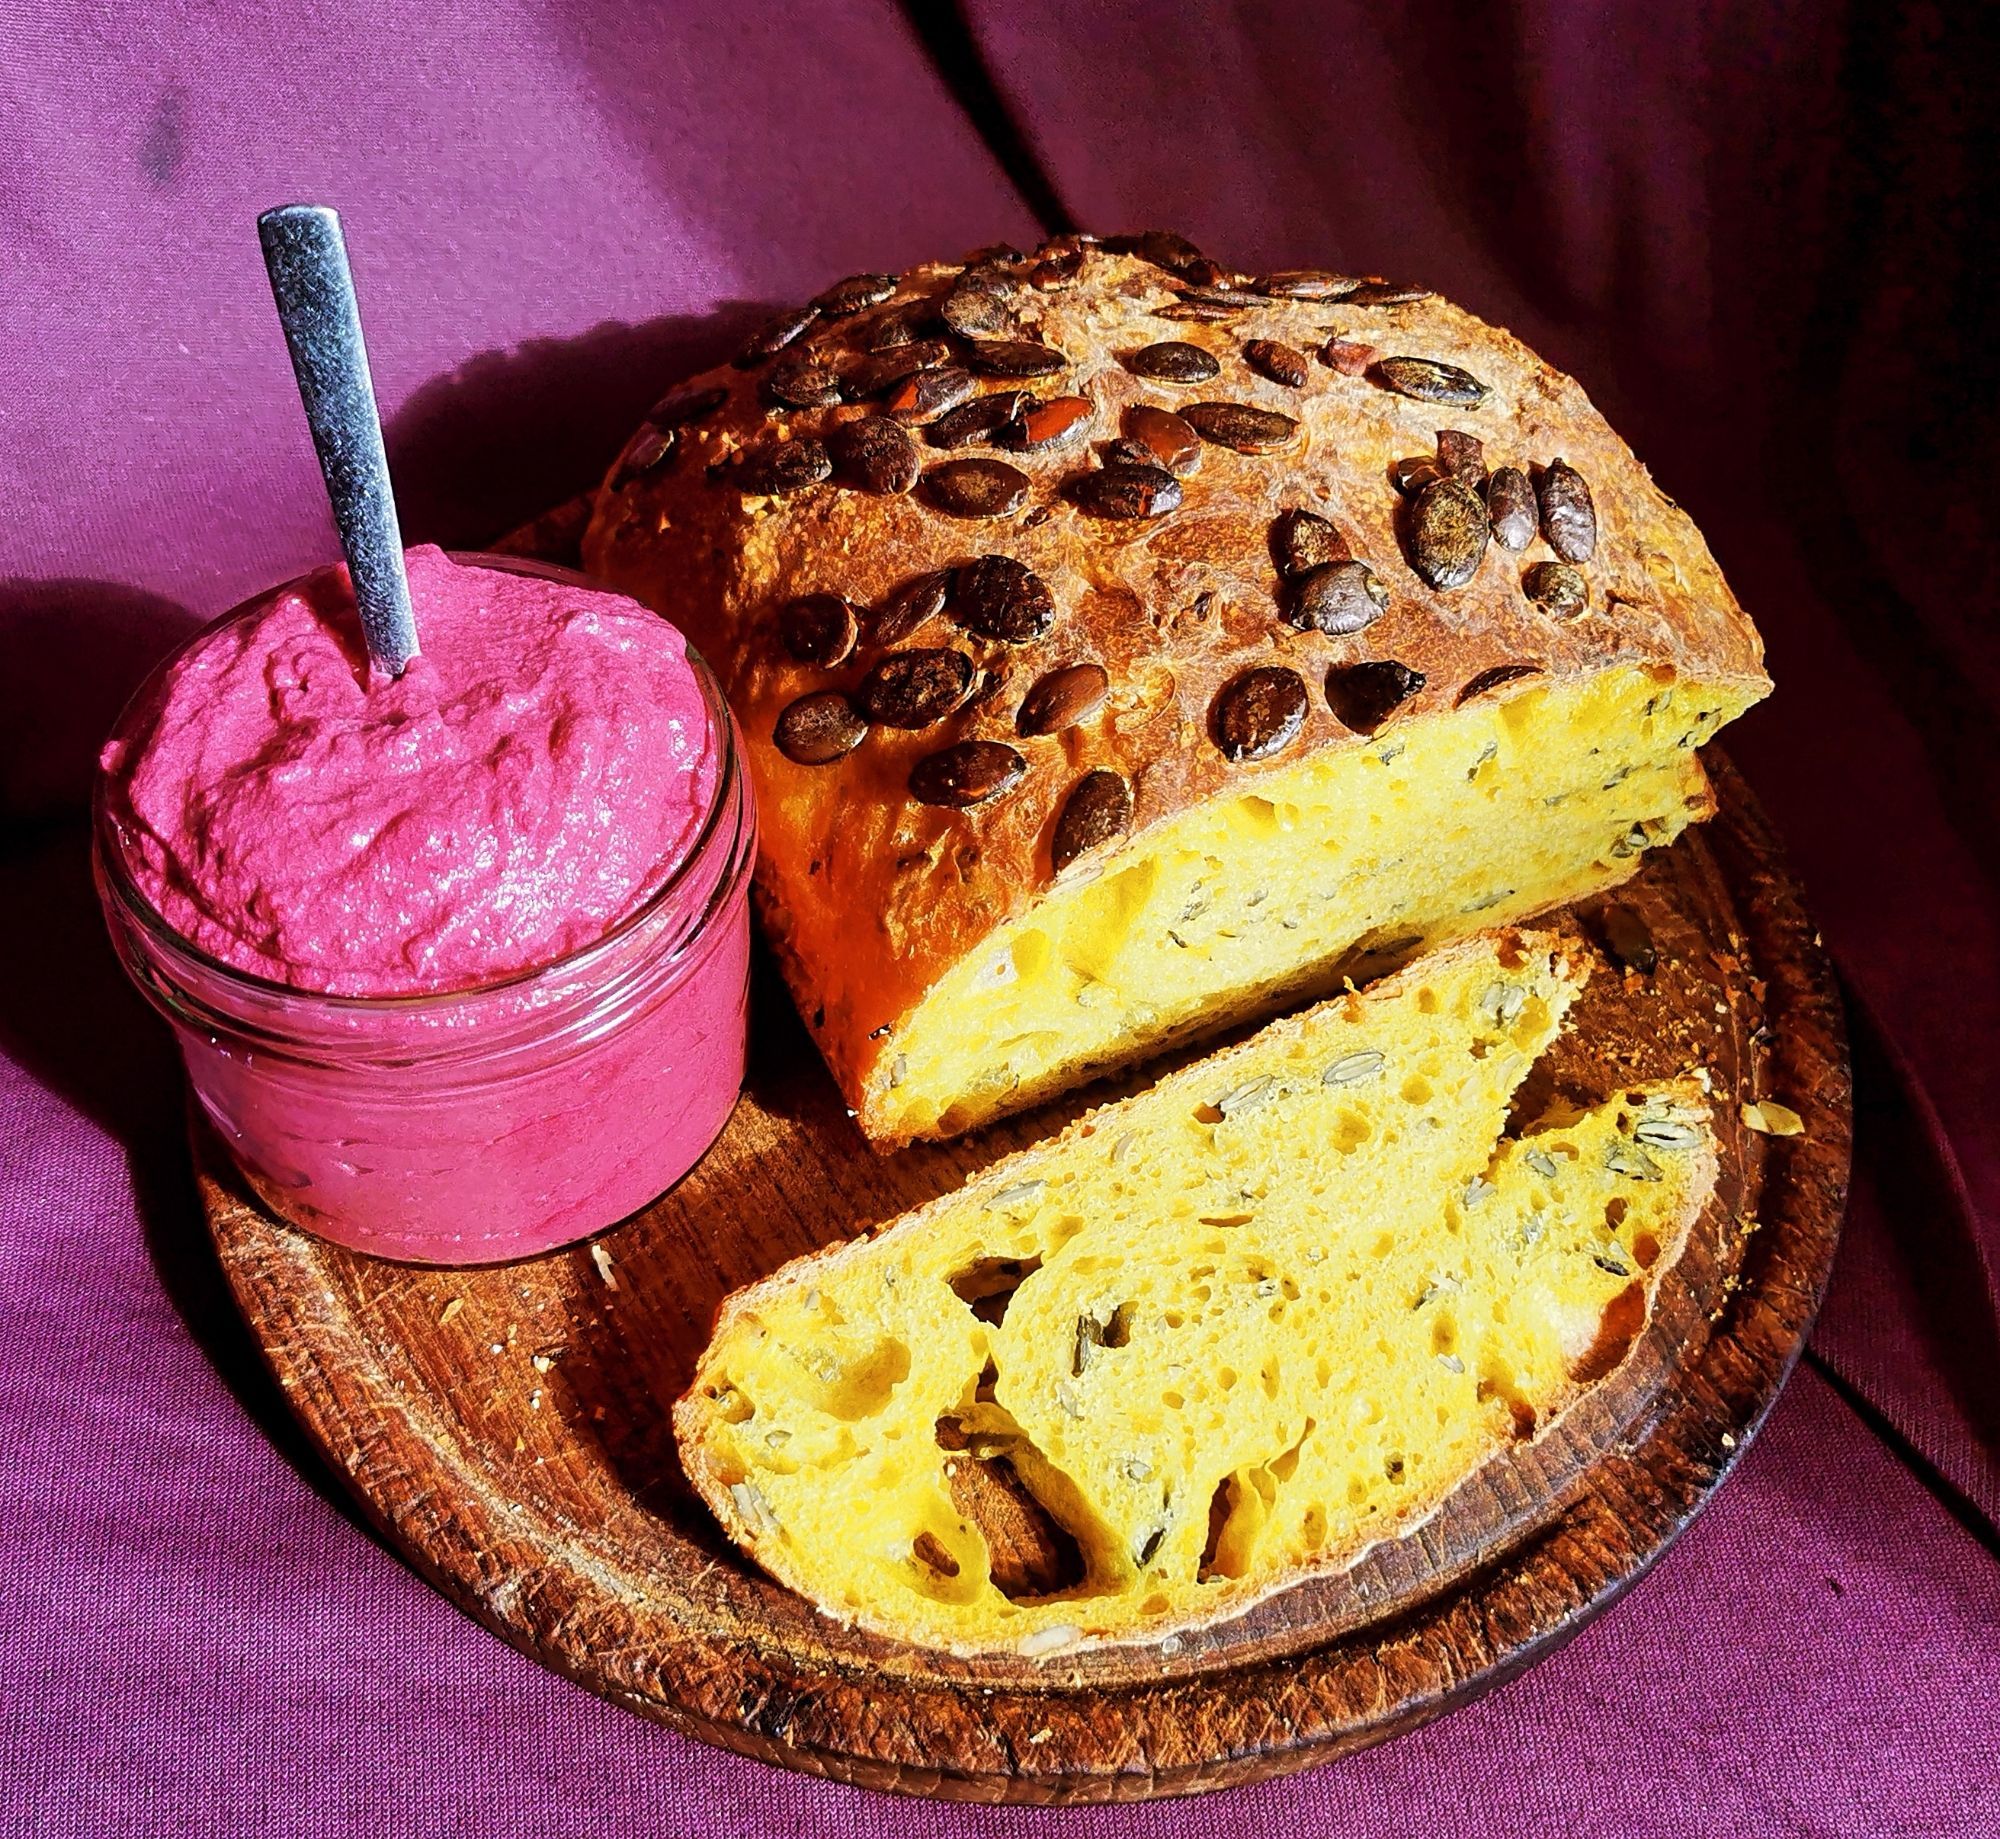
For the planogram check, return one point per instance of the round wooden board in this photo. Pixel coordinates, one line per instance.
(507, 1427)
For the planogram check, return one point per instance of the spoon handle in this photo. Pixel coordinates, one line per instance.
(307, 259)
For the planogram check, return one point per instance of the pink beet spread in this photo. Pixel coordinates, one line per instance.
(532, 780)
(526, 784)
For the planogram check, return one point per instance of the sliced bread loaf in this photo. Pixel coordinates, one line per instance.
(1121, 658)
(1211, 1338)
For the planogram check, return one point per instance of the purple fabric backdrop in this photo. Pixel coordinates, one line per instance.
(551, 210)
(1756, 233)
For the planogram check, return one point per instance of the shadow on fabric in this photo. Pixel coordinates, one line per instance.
(75, 651)
(509, 434)
(1912, 1234)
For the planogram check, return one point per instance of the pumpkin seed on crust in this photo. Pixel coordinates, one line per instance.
(1557, 588)
(1337, 598)
(1097, 809)
(913, 689)
(819, 729)
(979, 419)
(1000, 598)
(1305, 284)
(1047, 424)
(1259, 713)
(977, 487)
(927, 393)
(1174, 361)
(774, 335)
(854, 293)
(820, 629)
(1302, 541)
(1428, 380)
(1280, 362)
(1127, 492)
(874, 454)
(968, 773)
(1364, 696)
(1063, 698)
(787, 468)
(1014, 357)
(1448, 533)
(910, 606)
(1166, 439)
(1569, 516)
(1510, 508)
(1239, 427)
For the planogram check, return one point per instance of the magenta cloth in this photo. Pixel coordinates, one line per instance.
(1760, 234)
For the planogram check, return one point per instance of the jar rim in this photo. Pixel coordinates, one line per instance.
(108, 848)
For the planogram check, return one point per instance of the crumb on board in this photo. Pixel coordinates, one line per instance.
(1772, 1119)
(601, 1257)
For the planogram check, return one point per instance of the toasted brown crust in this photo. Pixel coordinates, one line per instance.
(1173, 607)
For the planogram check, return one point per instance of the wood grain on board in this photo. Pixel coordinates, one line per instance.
(507, 1427)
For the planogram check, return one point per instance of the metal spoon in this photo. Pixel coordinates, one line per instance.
(307, 259)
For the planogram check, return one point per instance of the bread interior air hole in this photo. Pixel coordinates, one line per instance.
(1226, 1332)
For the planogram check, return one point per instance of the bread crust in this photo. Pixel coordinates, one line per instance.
(869, 895)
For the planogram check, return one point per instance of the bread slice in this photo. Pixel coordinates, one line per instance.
(1210, 1339)
(1399, 642)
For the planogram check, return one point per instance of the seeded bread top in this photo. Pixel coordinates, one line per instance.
(1001, 560)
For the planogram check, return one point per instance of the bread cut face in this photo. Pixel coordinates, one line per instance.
(1337, 867)
(1128, 868)
(1211, 1339)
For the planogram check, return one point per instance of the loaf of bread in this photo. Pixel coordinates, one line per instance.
(1210, 1339)
(1126, 648)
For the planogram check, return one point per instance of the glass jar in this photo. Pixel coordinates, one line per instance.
(480, 1124)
